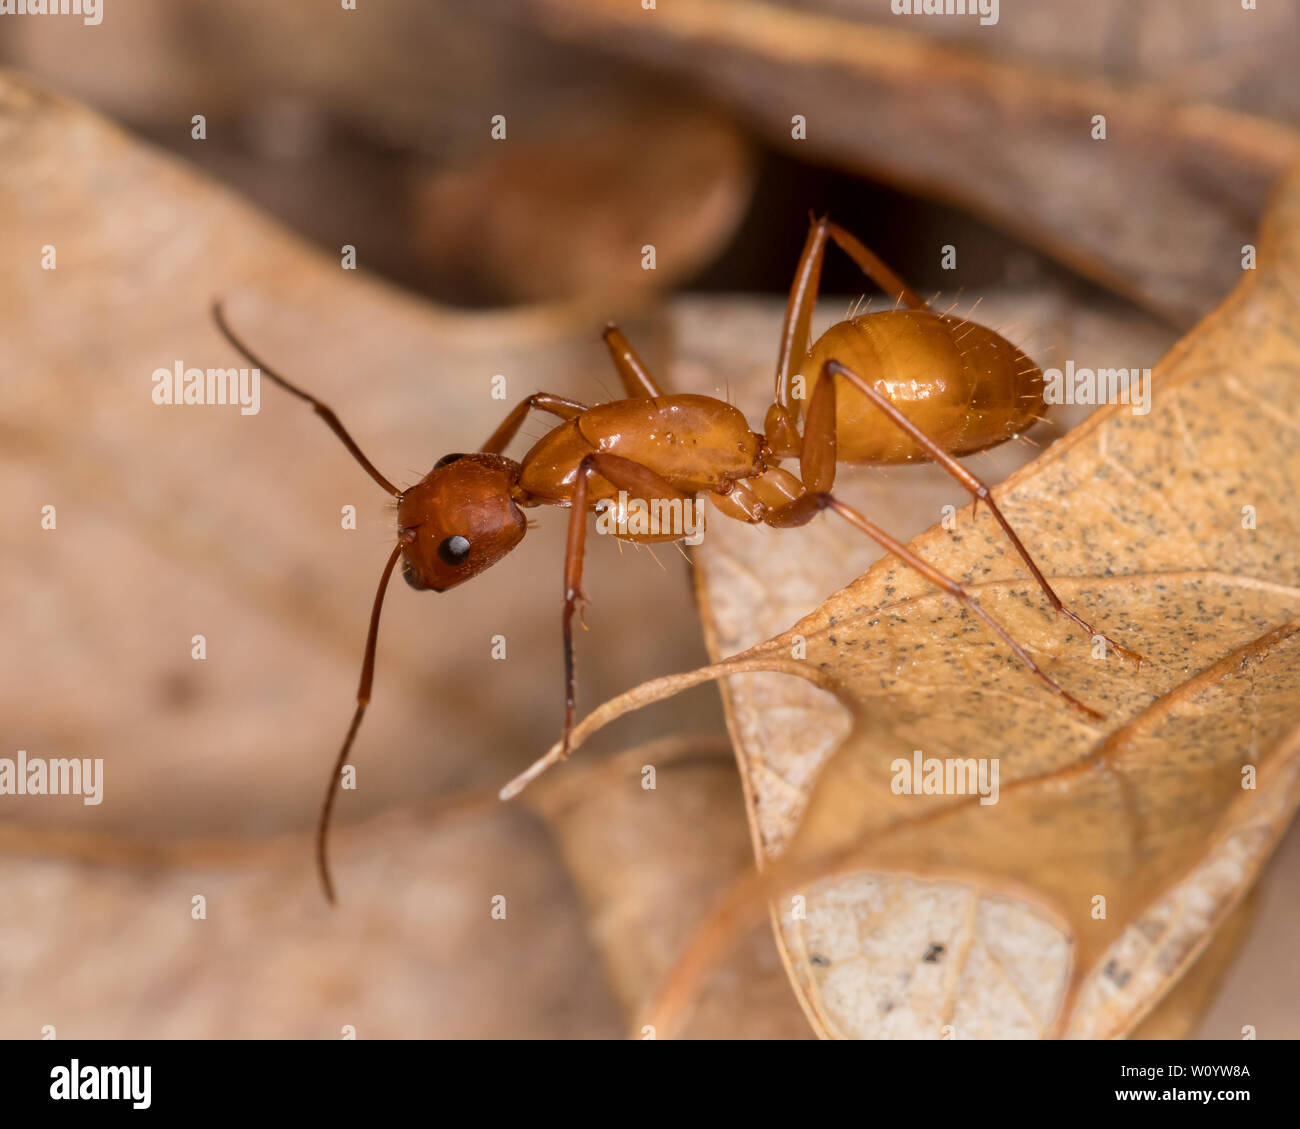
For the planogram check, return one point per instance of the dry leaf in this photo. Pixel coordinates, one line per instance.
(168, 531)
(174, 522)
(380, 136)
(650, 856)
(573, 211)
(1258, 993)
(1008, 138)
(1177, 1014)
(996, 118)
(983, 920)
(102, 938)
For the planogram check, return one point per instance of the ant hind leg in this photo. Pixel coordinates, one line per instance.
(875, 268)
(780, 427)
(979, 491)
(802, 510)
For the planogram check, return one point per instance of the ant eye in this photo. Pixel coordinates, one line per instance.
(442, 462)
(453, 550)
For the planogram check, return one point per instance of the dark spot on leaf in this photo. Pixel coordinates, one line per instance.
(178, 689)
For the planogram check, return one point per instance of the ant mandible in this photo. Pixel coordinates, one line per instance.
(899, 386)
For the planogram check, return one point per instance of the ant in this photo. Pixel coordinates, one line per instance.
(900, 386)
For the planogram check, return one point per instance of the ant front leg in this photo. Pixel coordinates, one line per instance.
(560, 406)
(979, 491)
(639, 482)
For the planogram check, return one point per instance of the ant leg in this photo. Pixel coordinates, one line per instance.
(363, 700)
(875, 269)
(637, 381)
(323, 410)
(817, 452)
(978, 490)
(803, 510)
(779, 427)
(543, 401)
(639, 482)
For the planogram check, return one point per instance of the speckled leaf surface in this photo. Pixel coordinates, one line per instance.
(984, 918)
(1117, 847)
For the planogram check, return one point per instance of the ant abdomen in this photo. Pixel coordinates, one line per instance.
(967, 387)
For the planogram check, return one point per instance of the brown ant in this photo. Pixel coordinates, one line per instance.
(906, 385)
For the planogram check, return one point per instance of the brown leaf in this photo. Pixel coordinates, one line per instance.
(1006, 136)
(1177, 1014)
(982, 920)
(1257, 995)
(571, 212)
(102, 941)
(650, 861)
(177, 521)
(380, 136)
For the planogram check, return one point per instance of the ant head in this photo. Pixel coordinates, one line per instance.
(459, 520)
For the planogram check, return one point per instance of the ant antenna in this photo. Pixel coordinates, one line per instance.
(372, 636)
(323, 410)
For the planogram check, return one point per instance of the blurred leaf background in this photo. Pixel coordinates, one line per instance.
(626, 127)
